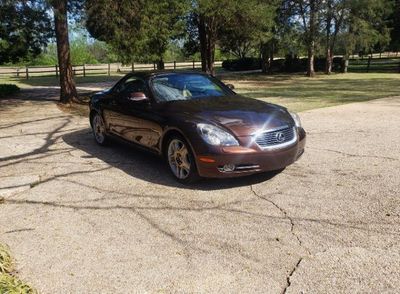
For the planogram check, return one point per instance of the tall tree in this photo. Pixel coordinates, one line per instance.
(366, 26)
(137, 30)
(251, 24)
(395, 26)
(208, 21)
(236, 26)
(308, 12)
(335, 13)
(68, 91)
(25, 29)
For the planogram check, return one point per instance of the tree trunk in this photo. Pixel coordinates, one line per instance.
(264, 58)
(210, 55)
(271, 57)
(203, 43)
(160, 64)
(329, 61)
(310, 67)
(345, 63)
(207, 44)
(328, 51)
(311, 38)
(67, 84)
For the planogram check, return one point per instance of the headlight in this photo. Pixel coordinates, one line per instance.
(216, 136)
(296, 119)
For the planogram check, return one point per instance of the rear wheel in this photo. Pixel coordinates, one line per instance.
(99, 130)
(181, 160)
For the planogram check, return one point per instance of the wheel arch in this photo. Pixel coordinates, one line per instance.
(168, 134)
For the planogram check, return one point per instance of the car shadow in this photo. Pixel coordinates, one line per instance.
(147, 166)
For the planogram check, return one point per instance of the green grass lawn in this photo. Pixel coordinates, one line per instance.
(295, 91)
(299, 93)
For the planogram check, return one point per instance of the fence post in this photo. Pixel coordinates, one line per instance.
(18, 72)
(194, 65)
(56, 66)
(154, 65)
(133, 66)
(84, 70)
(109, 69)
(27, 72)
(174, 64)
(369, 63)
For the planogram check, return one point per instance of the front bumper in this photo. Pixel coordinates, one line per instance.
(250, 160)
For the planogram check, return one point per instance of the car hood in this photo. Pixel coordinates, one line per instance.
(242, 116)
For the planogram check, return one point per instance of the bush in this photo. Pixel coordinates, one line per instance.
(8, 89)
(300, 64)
(248, 63)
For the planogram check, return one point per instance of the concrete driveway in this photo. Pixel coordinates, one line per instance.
(80, 218)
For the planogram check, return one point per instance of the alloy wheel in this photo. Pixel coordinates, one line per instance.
(179, 159)
(99, 129)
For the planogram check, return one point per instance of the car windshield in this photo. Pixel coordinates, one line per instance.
(171, 87)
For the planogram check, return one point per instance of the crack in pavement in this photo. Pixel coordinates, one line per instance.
(288, 282)
(285, 214)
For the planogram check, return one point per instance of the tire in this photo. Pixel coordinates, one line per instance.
(99, 130)
(181, 161)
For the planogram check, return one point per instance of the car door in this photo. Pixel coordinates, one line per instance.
(136, 121)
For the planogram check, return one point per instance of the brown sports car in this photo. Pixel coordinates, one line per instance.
(198, 124)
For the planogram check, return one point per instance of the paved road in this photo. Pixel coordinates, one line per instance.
(84, 219)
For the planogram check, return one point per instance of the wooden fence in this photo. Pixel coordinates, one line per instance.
(95, 69)
(378, 65)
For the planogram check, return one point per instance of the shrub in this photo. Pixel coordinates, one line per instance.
(248, 63)
(8, 89)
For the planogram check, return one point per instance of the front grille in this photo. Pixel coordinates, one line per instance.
(276, 138)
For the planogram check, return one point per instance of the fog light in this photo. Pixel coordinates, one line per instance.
(229, 167)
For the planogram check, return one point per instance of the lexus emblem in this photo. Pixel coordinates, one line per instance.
(280, 137)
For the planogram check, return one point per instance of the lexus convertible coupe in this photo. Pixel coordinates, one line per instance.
(198, 124)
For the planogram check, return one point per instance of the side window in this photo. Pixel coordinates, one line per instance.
(131, 84)
(134, 86)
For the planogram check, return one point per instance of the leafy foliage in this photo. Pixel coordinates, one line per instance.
(366, 25)
(395, 25)
(25, 28)
(137, 30)
(249, 25)
(9, 283)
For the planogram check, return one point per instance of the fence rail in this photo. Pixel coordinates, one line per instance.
(374, 63)
(95, 69)
(386, 64)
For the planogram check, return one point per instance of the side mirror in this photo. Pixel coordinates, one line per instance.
(138, 97)
(230, 86)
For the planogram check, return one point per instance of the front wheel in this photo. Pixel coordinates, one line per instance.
(99, 130)
(181, 160)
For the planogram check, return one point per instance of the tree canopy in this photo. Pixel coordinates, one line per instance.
(137, 30)
(25, 29)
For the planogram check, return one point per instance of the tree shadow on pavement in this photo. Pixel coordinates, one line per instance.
(147, 166)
